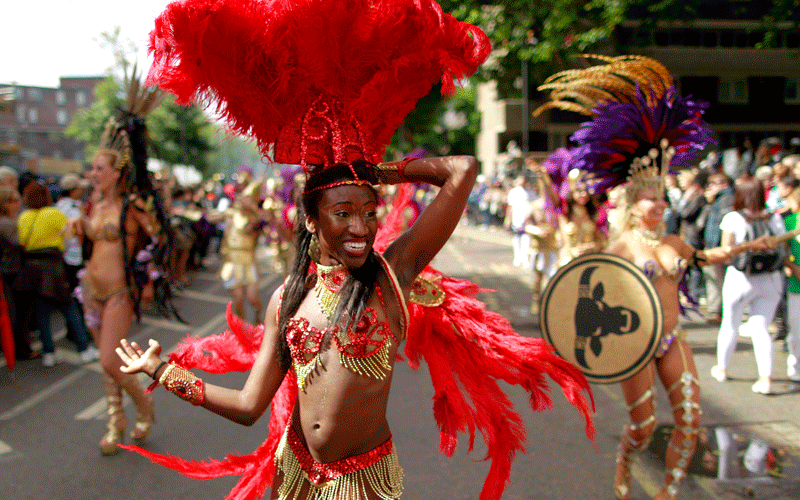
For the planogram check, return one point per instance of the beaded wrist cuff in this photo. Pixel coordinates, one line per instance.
(392, 172)
(184, 384)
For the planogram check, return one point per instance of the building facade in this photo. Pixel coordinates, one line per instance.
(753, 92)
(33, 123)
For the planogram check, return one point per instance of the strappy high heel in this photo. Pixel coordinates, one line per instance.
(145, 409)
(625, 451)
(109, 444)
(629, 447)
(144, 423)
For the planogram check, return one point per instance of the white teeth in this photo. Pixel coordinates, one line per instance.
(355, 246)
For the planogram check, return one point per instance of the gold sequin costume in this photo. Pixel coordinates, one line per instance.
(239, 242)
(239, 266)
(576, 233)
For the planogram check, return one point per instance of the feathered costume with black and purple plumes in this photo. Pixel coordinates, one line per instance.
(309, 77)
(619, 132)
(634, 106)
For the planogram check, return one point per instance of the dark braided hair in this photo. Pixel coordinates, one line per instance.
(136, 183)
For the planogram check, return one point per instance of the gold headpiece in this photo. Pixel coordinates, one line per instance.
(649, 172)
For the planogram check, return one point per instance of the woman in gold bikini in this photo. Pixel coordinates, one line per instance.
(120, 226)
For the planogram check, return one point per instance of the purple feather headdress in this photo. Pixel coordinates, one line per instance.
(639, 123)
(622, 132)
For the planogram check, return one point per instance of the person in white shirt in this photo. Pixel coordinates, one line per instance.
(518, 204)
(70, 204)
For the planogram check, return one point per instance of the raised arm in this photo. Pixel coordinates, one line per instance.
(415, 248)
(243, 406)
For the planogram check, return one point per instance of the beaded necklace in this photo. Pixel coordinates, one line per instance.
(648, 236)
(329, 283)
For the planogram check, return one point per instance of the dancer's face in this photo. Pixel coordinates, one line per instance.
(346, 226)
(581, 196)
(103, 174)
(649, 208)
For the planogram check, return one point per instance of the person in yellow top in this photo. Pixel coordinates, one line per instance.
(43, 278)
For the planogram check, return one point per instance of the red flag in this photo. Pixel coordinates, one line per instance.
(6, 334)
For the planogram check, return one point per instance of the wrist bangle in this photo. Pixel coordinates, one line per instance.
(153, 376)
(392, 172)
(184, 384)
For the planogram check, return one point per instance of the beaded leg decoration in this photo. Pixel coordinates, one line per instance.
(116, 417)
(145, 409)
(687, 425)
(629, 446)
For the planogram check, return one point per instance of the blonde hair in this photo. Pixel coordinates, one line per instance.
(628, 201)
(7, 194)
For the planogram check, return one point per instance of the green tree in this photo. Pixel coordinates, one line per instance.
(182, 134)
(544, 33)
(440, 126)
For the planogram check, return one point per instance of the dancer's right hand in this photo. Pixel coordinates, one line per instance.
(138, 360)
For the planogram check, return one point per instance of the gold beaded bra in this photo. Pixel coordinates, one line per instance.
(363, 347)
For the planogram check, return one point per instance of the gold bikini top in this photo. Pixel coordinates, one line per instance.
(108, 231)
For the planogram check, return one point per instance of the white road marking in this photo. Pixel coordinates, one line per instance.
(42, 395)
(166, 324)
(206, 297)
(97, 410)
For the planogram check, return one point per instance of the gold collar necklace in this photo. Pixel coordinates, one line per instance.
(648, 236)
(329, 282)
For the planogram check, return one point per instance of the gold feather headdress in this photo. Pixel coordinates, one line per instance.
(582, 90)
(639, 123)
(116, 139)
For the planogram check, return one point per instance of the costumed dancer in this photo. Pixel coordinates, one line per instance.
(324, 357)
(239, 271)
(130, 250)
(279, 235)
(640, 126)
(542, 226)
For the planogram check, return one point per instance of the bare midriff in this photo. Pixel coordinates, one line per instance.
(341, 413)
(105, 270)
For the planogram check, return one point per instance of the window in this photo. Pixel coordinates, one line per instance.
(80, 98)
(33, 115)
(61, 97)
(61, 116)
(21, 113)
(732, 91)
(791, 92)
(35, 94)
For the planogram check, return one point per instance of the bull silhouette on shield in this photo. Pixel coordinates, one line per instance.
(594, 319)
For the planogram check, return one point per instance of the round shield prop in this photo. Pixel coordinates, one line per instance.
(602, 314)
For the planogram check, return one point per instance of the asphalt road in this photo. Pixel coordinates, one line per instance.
(52, 419)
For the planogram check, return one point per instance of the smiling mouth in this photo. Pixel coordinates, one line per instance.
(351, 246)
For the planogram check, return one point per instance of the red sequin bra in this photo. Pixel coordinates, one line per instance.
(363, 348)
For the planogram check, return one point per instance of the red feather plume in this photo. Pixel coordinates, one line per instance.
(323, 81)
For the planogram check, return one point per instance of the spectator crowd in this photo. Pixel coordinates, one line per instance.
(553, 220)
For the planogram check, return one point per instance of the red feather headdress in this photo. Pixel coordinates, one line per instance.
(322, 82)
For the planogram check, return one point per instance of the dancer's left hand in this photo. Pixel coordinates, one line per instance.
(138, 360)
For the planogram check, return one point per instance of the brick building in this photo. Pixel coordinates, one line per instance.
(33, 121)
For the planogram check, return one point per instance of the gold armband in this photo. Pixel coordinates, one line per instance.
(392, 172)
(184, 384)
